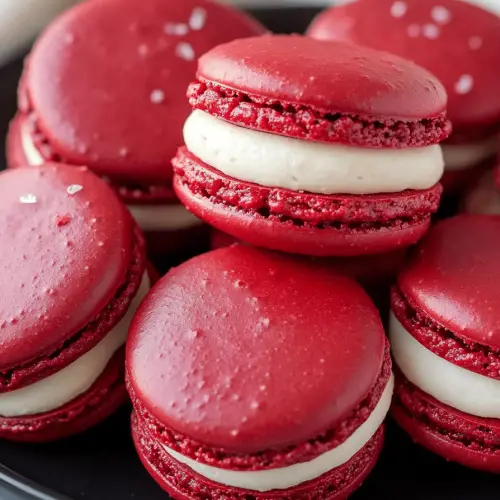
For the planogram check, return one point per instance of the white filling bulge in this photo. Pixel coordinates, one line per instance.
(75, 379)
(288, 477)
(163, 217)
(455, 386)
(30, 151)
(316, 167)
(148, 217)
(463, 156)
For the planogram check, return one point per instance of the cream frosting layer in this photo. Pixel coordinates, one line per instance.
(163, 217)
(455, 386)
(463, 156)
(75, 379)
(148, 217)
(288, 477)
(277, 161)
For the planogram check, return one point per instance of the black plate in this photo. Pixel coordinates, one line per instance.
(102, 463)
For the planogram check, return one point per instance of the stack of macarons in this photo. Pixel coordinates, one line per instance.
(312, 147)
(73, 273)
(241, 389)
(105, 87)
(445, 340)
(456, 41)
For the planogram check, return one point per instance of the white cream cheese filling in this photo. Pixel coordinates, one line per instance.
(75, 379)
(163, 217)
(464, 156)
(293, 475)
(276, 161)
(148, 217)
(455, 386)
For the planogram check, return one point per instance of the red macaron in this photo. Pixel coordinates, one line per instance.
(376, 273)
(457, 42)
(105, 87)
(241, 389)
(73, 273)
(298, 145)
(446, 342)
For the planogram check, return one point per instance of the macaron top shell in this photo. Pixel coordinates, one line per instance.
(456, 41)
(333, 76)
(107, 81)
(66, 246)
(454, 277)
(246, 351)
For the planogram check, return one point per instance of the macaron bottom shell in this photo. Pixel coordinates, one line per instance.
(450, 433)
(184, 484)
(104, 397)
(285, 236)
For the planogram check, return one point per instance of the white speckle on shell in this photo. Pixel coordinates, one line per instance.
(399, 9)
(74, 188)
(176, 29)
(440, 14)
(28, 198)
(157, 96)
(475, 42)
(185, 51)
(431, 31)
(123, 152)
(198, 19)
(143, 50)
(464, 85)
(414, 30)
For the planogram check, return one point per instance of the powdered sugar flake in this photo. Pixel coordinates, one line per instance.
(74, 188)
(198, 19)
(185, 51)
(464, 85)
(440, 15)
(176, 29)
(399, 9)
(475, 42)
(431, 31)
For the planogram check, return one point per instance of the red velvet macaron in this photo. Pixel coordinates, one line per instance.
(376, 273)
(241, 389)
(311, 147)
(73, 272)
(445, 338)
(456, 41)
(105, 87)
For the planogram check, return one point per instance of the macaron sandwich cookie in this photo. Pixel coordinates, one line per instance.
(105, 87)
(73, 273)
(241, 390)
(312, 147)
(456, 41)
(446, 343)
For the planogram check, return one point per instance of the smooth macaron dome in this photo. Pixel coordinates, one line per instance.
(73, 271)
(105, 87)
(240, 388)
(313, 147)
(446, 342)
(457, 42)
